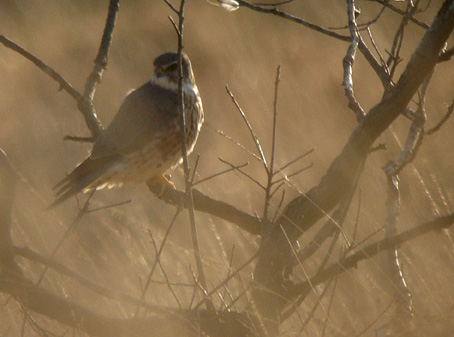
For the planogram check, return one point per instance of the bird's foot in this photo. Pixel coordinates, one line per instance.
(160, 183)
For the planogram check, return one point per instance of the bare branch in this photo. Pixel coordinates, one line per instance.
(393, 267)
(86, 105)
(172, 7)
(80, 139)
(302, 212)
(85, 101)
(220, 173)
(222, 133)
(442, 121)
(251, 131)
(68, 231)
(158, 261)
(204, 203)
(270, 171)
(158, 253)
(243, 173)
(381, 70)
(374, 249)
(295, 160)
(277, 12)
(228, 278)
(64, 85)
(348, 61)
(401, 12)
(184, 152)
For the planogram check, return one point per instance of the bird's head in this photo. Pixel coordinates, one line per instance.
(166, 70)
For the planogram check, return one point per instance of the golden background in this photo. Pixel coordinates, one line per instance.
(242, 49)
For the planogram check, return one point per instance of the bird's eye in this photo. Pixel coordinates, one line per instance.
(172, 67)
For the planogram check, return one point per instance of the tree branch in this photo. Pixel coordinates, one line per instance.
(372, 250)
(302, 212)
(205, 204)
(64, 85)
(86, 105)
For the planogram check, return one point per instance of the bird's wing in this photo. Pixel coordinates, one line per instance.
(144, 115)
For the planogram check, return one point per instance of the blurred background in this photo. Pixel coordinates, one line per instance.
(241, 49)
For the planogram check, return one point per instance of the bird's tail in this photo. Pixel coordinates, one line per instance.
(84, 175)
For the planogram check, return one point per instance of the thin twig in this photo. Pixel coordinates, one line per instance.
(286, 177)
(194, 170)
(442, 121)
(387, 4)
(109, 206)
(222, 133)
(229, 271)
(86, 283)
(64, 85)
(251, 131)
(236, 168)
(184, 151)
(220, 173)
(169, 284)
(277, 12)
(373, 249)
(394, 55)
(172, 7)
(306, 275)
(281, 202)
(273, 142)
(270, 171)
(274, 4)
(157, 257)
(295, 160)
(70, 229)
(227, 279)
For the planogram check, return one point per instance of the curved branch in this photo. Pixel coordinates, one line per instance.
(86, 104)
(64, 85)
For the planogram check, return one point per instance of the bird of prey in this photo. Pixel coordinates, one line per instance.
(143, 140)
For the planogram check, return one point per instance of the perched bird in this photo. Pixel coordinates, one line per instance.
(143, 140)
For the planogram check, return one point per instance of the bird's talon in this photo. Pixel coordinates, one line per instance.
(160, 184)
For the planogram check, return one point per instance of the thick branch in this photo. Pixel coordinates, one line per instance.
(205, 204)
(302, 212)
